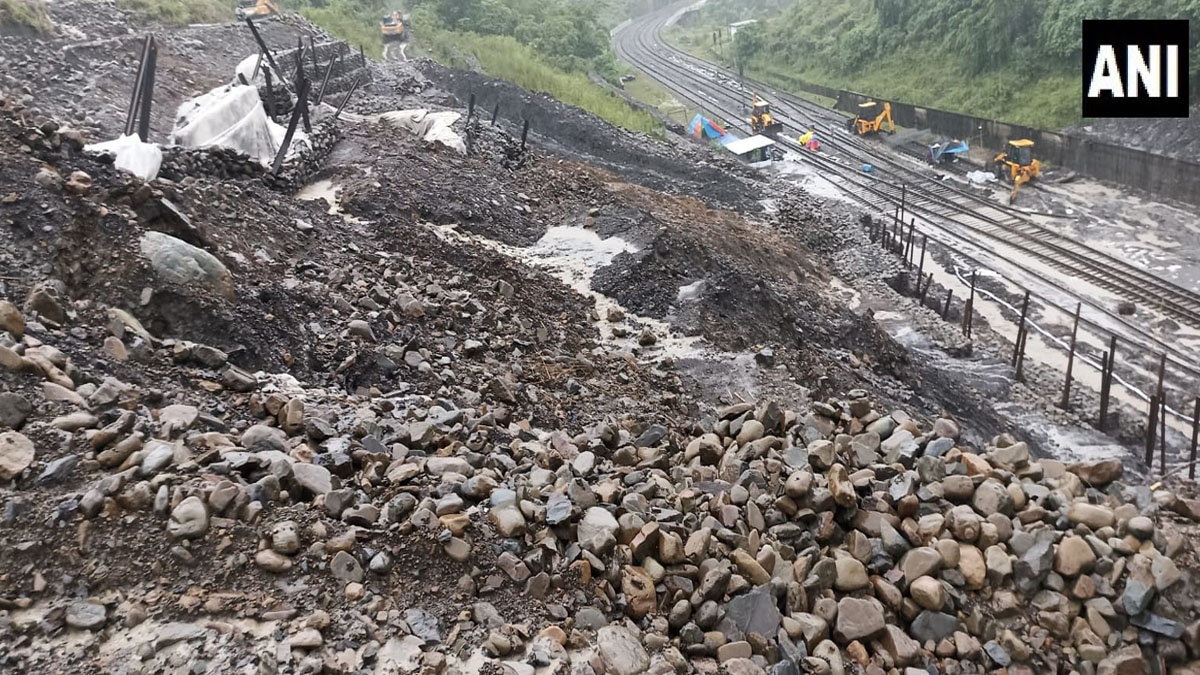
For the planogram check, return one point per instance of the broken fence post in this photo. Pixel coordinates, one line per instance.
(470, 108)
(1021, 356)
(131, 112)
(147, 95)
(1020, 328)
(495, 112)
(270, 94)
(262, 45)
(325, 80)
(908, 247)
(353, 88)
(524, 133)
(1106, 380)
(362, 56)
(1066, 397)
(921, 266)
(291, 129)
(1151, 427)
(1195, 438)
(925, 290)
(946, 307)
(312, 50)
(968, 309)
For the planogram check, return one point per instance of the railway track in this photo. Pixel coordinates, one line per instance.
(958, 212)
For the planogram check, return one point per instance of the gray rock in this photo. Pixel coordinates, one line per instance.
(423, 625)
(85, 615)
(590, 618)
(621, 651)
(900, 444)
(189, 519)
(597, 531)
(858, 619)
(16, 454)
(934, 626)
(992, 497)
(346, 567)
(315, 479)
(997, 654)
(58, 470)
(938, 447)
(1137, 597)
(260, 438)
(14, 409)
(755, 612)
(179, 262)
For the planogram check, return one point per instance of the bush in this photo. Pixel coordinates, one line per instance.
(27, 15)
(180, 12)
(504, 58)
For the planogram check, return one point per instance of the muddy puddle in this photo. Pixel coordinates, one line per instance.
(573, 255)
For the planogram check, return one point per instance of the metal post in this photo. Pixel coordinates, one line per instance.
(1066, 399)
(262, 45)
(495, 112)
(353, 88)
(312, 49)
(903, 201)
(925, 290)
(1020, 327)
(1195, 437)
(908, 248)
(1021, 356)
(257, 66)
(1106, 380)
(969, 308)
(470, 109)
(362, 56)
(524, 133)
(325, 80)
(1162, 412)
(921, 266)
(1150, 429)
(946, 307)
(147, 95)
(131, 112)
(270, 94)
(291, 129)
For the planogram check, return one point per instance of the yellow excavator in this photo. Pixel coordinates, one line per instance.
(1017, 165)
(256, 9)
(393, 28)
(866, 121)
(761, 119)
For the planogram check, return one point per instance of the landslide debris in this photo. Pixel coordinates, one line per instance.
(244, 432)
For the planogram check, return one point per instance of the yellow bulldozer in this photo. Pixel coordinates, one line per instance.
(256, 9)
(394, 27)
(867, 121)
(761, 119)
(1017, 165)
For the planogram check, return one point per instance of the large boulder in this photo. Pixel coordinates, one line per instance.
(178, 262)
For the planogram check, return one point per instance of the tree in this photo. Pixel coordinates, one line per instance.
(748, 42)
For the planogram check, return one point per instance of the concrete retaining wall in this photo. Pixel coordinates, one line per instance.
(1161, 175)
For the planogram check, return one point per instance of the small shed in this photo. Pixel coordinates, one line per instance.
(757, 148)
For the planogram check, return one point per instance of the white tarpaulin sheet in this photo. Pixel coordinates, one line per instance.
(433, 127)
(140, 159)
(231, 117)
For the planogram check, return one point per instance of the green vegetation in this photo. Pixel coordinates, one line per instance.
(1015, 60)
(550, 46)
(29, 15)
(179, 12)
(501, 56)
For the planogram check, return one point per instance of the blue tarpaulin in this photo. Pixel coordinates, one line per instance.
(702, 127)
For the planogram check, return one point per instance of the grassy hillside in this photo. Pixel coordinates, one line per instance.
(1015, 60)
(550, 46)
(24, 15)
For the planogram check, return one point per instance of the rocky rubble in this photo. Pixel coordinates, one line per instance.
(243, 433)
(823, 540)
